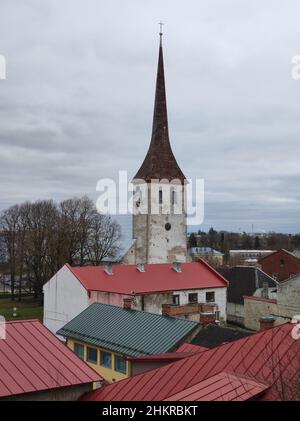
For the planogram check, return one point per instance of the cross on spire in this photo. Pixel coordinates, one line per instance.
(160, 26)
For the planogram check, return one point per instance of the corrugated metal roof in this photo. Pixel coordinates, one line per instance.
(221, 387)
(268, 357)
(129, 332)
(33, 359)
(156, 278)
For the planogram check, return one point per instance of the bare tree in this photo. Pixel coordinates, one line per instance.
(38, 238)
(104, 239)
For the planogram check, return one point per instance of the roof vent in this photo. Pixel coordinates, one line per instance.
(176, 266)
(108, 269)
(141, 267)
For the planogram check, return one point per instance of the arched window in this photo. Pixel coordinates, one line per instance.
(160, 198)
(173, 197)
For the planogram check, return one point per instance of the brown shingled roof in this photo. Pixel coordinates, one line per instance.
(160, 162)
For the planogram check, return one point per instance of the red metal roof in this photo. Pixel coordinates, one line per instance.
(190, 348)
(156, 278)
(221, 387)
(269, 357)
(33, 359)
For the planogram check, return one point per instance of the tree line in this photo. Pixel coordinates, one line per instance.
(38, 238)
(225, 241)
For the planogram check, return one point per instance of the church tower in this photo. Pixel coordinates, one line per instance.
(159, 219)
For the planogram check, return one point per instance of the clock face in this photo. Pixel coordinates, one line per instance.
(168, 226)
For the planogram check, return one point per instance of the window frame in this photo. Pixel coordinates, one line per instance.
(101, 359)
(116, 357)
(87, 355)
(214, 297)
(78, 344)
(193, 301)
(176, 297)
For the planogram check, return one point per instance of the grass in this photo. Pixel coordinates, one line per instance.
(28, 308)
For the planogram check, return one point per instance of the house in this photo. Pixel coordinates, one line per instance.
(246, 281)
(210, 255)
(35, 365)
(188, 289)
(247, 257)
(263, 366)
(282, 308)
(281, 265)
(104, 336)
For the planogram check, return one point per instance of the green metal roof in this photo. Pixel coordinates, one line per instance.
(129, 332)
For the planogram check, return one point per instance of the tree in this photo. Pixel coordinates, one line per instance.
(38, 238)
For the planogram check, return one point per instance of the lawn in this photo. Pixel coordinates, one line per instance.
(28, 308)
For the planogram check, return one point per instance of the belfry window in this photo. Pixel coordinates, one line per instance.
(173, 197)
(160, 197)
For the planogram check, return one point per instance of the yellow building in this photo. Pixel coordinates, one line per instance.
(104, 336)
(110, 365)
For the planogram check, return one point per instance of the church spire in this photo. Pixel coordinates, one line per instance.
(160, 162)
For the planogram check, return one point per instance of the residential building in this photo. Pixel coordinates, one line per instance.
(159, 235)
(285, 305)
(104, 336)
(281, 265)
(246, 281)
(188, 289)
(263, 366)
(213, 257)
(247, 257)
(36, 366)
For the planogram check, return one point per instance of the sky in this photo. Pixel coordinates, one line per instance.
(77, 102)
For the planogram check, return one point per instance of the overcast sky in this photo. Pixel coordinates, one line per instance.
(78, 99)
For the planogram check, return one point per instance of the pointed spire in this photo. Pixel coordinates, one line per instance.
(160, 162)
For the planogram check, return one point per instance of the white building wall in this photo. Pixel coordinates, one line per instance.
(220, 298)
(235, 313)
(64, 298)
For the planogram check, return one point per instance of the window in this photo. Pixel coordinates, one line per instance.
(160, 197)
(92, 355)
(105, 359)
(79, 350)
(281, 262)
(176, 300)
(210, 297)
(217, 315)
(120, 364)
(193, 298)
(173, 197)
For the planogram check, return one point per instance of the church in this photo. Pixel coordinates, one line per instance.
(159, 227)
(155, 276)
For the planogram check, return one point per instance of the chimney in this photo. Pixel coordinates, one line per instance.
(207, 318)
(176, 266)
(108, 269)
(127, 303)
(266, 322)
(141, 267)
(265, 290)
